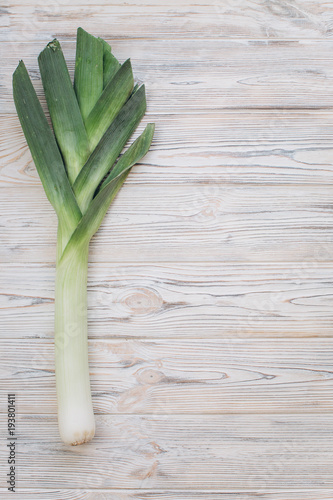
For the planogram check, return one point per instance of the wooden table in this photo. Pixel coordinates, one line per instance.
(211, 279)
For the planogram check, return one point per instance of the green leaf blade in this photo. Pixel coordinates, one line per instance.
(94, 216)
(109, 148)
(110, 64)
(97, 209)
(133, 155)
(88, 77)
(64, 109)
(109, 104)
(44, 149)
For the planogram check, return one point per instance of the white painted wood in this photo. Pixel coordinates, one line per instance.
(209, 274)
(181, 300)
(191, 223)
(188, 452)
(207, 75)
(39, 20)
(98, 494)
(231, 376)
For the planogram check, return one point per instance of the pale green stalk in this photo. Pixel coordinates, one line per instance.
(75, 409)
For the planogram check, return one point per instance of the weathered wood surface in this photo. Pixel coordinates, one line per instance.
(181, 300)
(210, 74)
(210, 281)
(142, 494)
(167, 20)
(233, 376)
(180, 452)
(196, 223)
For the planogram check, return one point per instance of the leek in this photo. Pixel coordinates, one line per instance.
(81, 168)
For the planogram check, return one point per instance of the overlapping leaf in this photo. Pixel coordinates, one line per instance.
(64, 110)
(43, 147)
(92, 122)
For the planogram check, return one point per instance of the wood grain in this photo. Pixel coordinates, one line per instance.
(180, 300)
(98, 494)
(210, 303)
(174, 19)
(230, 376)
(217, 75)
(237, 146)
(185, 452)
(196, 223)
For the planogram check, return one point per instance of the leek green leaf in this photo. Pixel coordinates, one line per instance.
(109, 104)
(133, 155)
(43, 147)
(110, 64)
(88, 77)
(92, 219)
(109, 148)
(64, 109)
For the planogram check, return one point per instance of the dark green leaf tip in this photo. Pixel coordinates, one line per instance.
(19, 67)
(54, 45)
(81, 31)
(141, 90)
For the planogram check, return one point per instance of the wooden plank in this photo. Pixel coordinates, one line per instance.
(241, 18)
(177, 376)
(173, 223)
(191, 76)
(177, 300)
(190, 406)
(94, 494)
(251, 452)
(257, 147)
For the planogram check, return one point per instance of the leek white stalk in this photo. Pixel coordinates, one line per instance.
(81, 172)
(75, 410)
